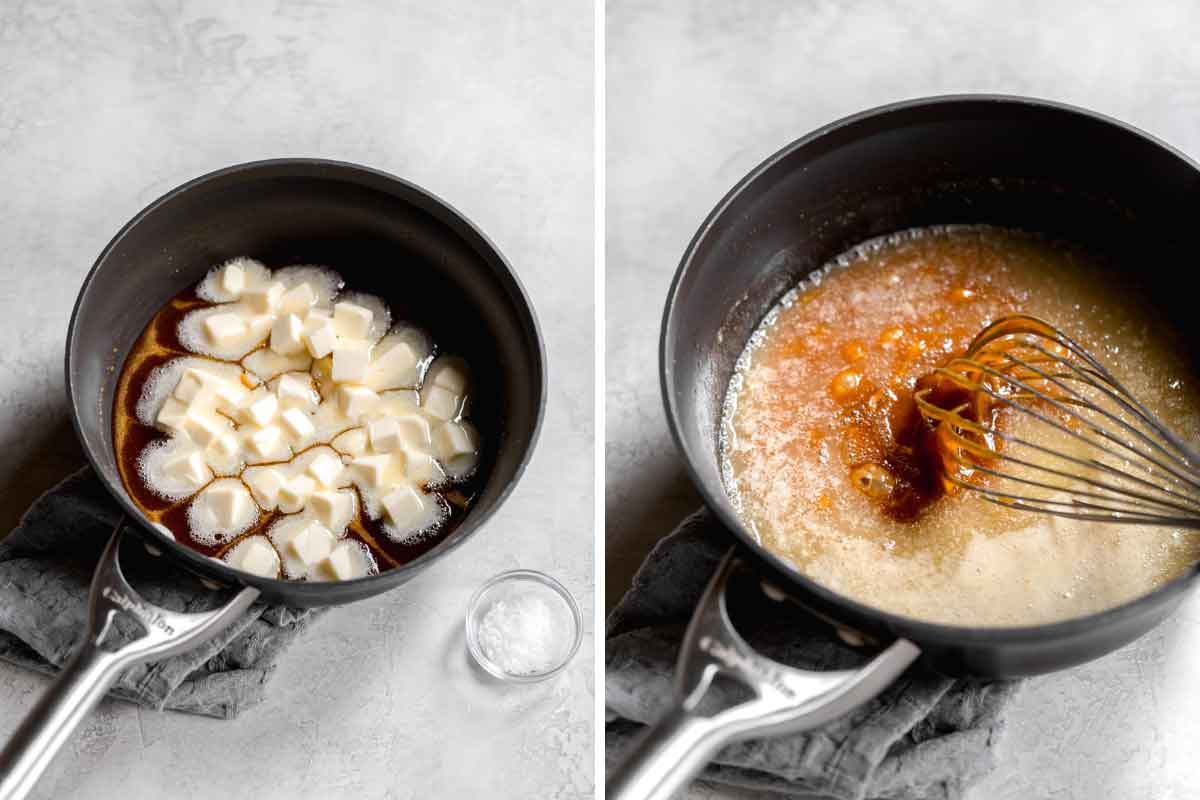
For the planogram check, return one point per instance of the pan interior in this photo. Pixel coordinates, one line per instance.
(897, 544)
(383, 236)
(1005, 162)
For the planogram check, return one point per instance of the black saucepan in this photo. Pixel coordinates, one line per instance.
(1020, 163)
(1016, 162)
(386, 237)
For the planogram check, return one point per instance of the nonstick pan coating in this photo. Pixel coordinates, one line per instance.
(1014, 162)
(385, 236)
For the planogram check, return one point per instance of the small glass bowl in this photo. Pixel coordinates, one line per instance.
(509, 584)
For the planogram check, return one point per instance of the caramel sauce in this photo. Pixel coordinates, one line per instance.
(158, 344)
(888, 450)
(830, 462)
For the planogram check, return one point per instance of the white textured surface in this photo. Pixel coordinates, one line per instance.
(103, 107)
(699, 93)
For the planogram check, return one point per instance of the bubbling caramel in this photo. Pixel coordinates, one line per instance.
(305, 435)
(828, 459)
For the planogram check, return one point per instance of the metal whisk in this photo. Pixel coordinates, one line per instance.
(1086, 447)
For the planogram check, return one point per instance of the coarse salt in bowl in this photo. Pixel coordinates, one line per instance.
(523, 626)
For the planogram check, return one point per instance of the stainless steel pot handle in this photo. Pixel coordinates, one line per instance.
(668, 754)
(94, 667)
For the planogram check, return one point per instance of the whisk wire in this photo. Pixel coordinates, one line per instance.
(1121, 397)
(1186, 475)
(1125, 465)
(1016, 324)
(1138, 498)
(987, 452)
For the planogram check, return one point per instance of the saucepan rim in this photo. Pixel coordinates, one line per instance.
(360, 175)
(715, 497)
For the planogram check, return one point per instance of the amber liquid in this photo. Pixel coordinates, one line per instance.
(830, 463)
(158, 344)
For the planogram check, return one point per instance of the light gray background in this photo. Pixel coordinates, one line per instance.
(105, 106)
(698, 93)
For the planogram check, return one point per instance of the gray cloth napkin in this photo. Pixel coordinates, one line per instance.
(927, 737)
(46, 566)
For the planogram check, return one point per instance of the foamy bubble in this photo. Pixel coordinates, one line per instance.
(394, 402)
(463, 466)
(193, 336)
(281, 533)
(381, 315)
(160, 384)
(416, 337)
(324, 282)
(209, 287)
(284, 529)
(236, 553)
(265, 364)
(361, 552)
(437, 511)
(152, 463)
(329, 421)
(203, 523)
(225, 463)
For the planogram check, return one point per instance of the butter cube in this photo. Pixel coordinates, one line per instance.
(448, 373)
(259, 327)
(440, 402)
(405, 506)
(319, 336)
(296, 392)
(297, 423)
(295, 493)
(229, 394)
(345, 562)
(264, 299)
(224, 329)
(264, 483)
(451, 440)
(396, 402)
(297, 300)
(350, 360)
(266, 444)
(395, 368)
(191, 385)
(189, 469)
(357, 400)
(262, 409)
(351, 321)
(372, 469)
(229, 503)
(326, 468)
(264, 363)
(457, 447)
(224, 448)
(196, 387)
(311, 544)
(232, 280)
(422, 468)
(286, 335)
(352, 442)
(414, 430)
(202, 427)
(172, 414)
(384, 434)
(391, 433)
(256, 556)
(333, 509)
